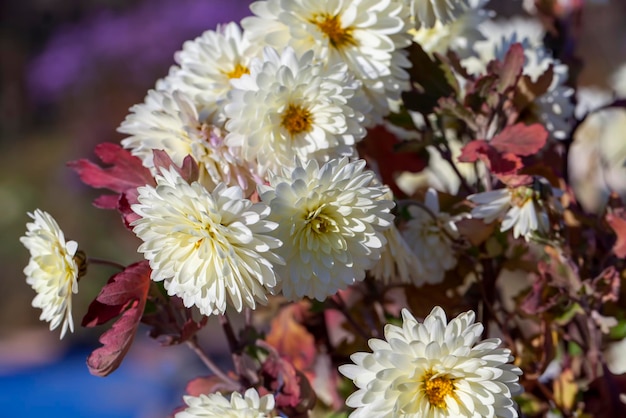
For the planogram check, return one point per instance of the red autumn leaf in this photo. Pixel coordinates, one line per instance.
(209, 384)
(188, 171)
(379, 150)
(511, 68)
(124, 176)
(520, 139)
(126, 293)
(617, 221)
(473, 151)
(501, 163)
(126, 171)
(290, 338)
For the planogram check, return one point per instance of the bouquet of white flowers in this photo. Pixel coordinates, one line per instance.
(386, 192)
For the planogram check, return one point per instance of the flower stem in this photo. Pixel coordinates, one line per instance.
(233, 343)
(103, 262)
(193, 344)
(338, 303)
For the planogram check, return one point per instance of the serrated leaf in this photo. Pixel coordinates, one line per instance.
(521, 139)
(125, 293)
(125, 174)
(511, 68)
(126, 171)
(499, 163)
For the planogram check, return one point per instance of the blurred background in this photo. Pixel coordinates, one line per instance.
(69, 71)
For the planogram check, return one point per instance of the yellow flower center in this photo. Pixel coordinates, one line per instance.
(521, 195)
(437, 389)
(296, 119)
(238, 71)
(331, 27)
(320, 223)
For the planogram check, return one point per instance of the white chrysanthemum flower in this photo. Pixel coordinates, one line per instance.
(250, 405)
(459, 35)
(518, 208)
(430, 234)
(331, 222)
(397, 261)
(289, 106)
(434, 369)
(206, 247)
(170, 122)
(366, 35)
(52, 271)
(597, 157)
(555, 108)
(208, 63)
(428, 12)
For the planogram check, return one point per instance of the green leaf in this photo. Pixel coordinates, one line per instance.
(431, 79)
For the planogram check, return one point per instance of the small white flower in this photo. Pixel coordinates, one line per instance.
(430, 234)
(170, 122)
(206, 247)
(331, 222)
(52, 271)
(518, 208)
(459, 35)
(215, 405)
(291, 107)
(366, 35)
(208, 63)
(428, 12)
(434, 369)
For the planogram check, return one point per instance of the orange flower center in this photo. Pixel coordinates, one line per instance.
(238, 71)
(331, 27)
(296, 119)
(437, 389)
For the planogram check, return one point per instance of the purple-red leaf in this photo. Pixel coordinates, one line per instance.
(126, 171)
(473, 151)
(124, 176)
(521, 139)
(188, 171)
(206, 385)
(126, 292)
(379, 149)
(500, 163)
(512, 66)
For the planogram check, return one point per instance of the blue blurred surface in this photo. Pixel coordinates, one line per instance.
(66, 389)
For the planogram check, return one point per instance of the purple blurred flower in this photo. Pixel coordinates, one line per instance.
(145, 37)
